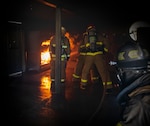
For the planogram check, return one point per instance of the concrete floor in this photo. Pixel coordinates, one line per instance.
(30, 102)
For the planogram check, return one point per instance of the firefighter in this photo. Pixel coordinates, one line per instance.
(140, 31)
(80, 61)
(134, 81)
(93, 74)
(95, 55)
(65, 55)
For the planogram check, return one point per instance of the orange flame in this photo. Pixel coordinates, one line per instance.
(45, 55)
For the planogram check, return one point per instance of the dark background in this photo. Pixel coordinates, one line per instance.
(77, 14)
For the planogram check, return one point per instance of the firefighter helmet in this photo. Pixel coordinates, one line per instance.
(132, 61)
(63, 30)
(135, 26)
(91, 28)
(132, 56)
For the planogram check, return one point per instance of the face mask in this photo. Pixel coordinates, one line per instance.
(126, 77)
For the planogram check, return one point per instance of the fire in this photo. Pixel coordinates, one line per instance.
(71, 39)
(45, 55)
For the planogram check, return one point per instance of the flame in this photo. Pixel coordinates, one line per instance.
(45, 43)
(45, 55)
(71, 40)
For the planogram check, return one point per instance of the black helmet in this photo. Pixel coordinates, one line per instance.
(132, 61)
(132, 56)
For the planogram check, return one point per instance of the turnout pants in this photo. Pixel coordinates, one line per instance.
(63, 70)
(78, 70)
(100, 63)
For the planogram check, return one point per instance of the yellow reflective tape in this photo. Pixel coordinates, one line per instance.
(94, 53)
(95, 78)
(109, 82)
(99, 43)
(62, 80)
(62, 58)
(133, 54)
(64, 46)
(105, 49)
(87, 44)
(84, 81)
(121, 56)
(82, 46)
(76, 76)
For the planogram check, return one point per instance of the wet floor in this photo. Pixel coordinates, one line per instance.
(30, 102)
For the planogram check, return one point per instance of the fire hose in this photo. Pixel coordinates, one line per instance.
(101, 101)
(99, 106)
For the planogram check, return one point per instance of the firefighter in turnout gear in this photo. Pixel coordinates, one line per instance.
(65, 55)
(134, 80)
(94, 75)
(95, 56)
(133, 72)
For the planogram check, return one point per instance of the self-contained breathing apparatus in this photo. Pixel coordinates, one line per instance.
(93, 44)
(92, 38)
